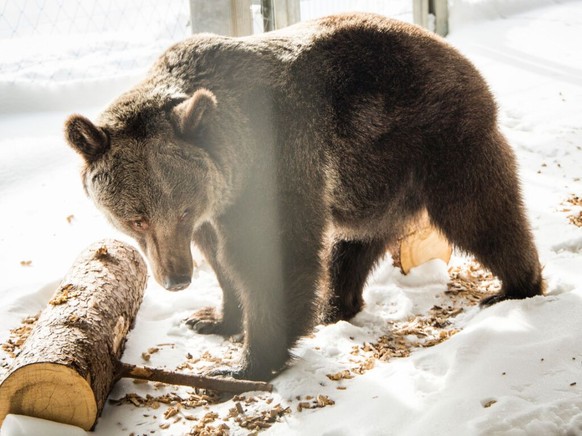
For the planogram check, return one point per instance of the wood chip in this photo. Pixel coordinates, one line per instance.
(64, 294)
(190, 402)
(323, 401)
(101, 252)
(145, 356)
(576, 219)
(303, 405)
(342, 375)
(171, 411)
(18, 336)
(489, 403)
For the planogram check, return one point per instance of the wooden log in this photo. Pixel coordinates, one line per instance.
(422, 243)
(68, 364)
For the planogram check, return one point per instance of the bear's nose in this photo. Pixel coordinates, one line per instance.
(176, 283)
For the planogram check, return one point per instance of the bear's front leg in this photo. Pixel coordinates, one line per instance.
(277, 265)
(278, 311)
(208, 320)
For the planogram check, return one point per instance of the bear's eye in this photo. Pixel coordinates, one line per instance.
(185, 215)
(139, 224)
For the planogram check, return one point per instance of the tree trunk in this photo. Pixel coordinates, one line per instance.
(68, 364)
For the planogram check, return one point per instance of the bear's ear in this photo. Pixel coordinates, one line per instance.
(191, 113)
(86, 138)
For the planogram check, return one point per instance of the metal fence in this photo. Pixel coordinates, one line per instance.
(62, 40)
(52, 41)
(318, 8)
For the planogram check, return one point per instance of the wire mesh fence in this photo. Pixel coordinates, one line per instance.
(393, 8)
(61, 40)
(52, 41)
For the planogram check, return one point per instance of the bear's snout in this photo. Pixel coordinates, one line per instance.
(176, 283)
(169, 256)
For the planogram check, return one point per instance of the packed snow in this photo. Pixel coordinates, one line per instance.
(421, 358)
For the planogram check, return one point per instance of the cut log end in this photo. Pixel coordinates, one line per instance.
(49, 391)
(422, 244)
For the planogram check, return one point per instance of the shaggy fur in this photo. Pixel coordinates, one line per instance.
(292, 159)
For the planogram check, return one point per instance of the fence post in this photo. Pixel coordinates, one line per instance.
(267, 9)
(287, 12)
(420, 12)
(280, 13)
(439, 9)
(224, 17)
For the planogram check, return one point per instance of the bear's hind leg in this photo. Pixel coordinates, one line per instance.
(477, 204)
(349, 266)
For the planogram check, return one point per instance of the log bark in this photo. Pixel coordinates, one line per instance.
(68, 364)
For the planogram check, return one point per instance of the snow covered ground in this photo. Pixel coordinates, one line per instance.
(512, 369)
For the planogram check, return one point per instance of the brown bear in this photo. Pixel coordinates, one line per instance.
(293, 159)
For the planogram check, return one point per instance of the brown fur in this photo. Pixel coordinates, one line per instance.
(292, 160)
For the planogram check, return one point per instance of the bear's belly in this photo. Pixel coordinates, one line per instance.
(376, 222)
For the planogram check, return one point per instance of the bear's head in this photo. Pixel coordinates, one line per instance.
(148, 170)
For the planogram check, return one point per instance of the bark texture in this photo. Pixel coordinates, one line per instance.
(68, 364)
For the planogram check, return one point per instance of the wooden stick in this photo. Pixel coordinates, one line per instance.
(174, 378)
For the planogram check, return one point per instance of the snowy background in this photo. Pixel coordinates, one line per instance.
(422, 358)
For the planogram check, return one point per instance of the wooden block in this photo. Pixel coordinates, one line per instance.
(422, 243)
